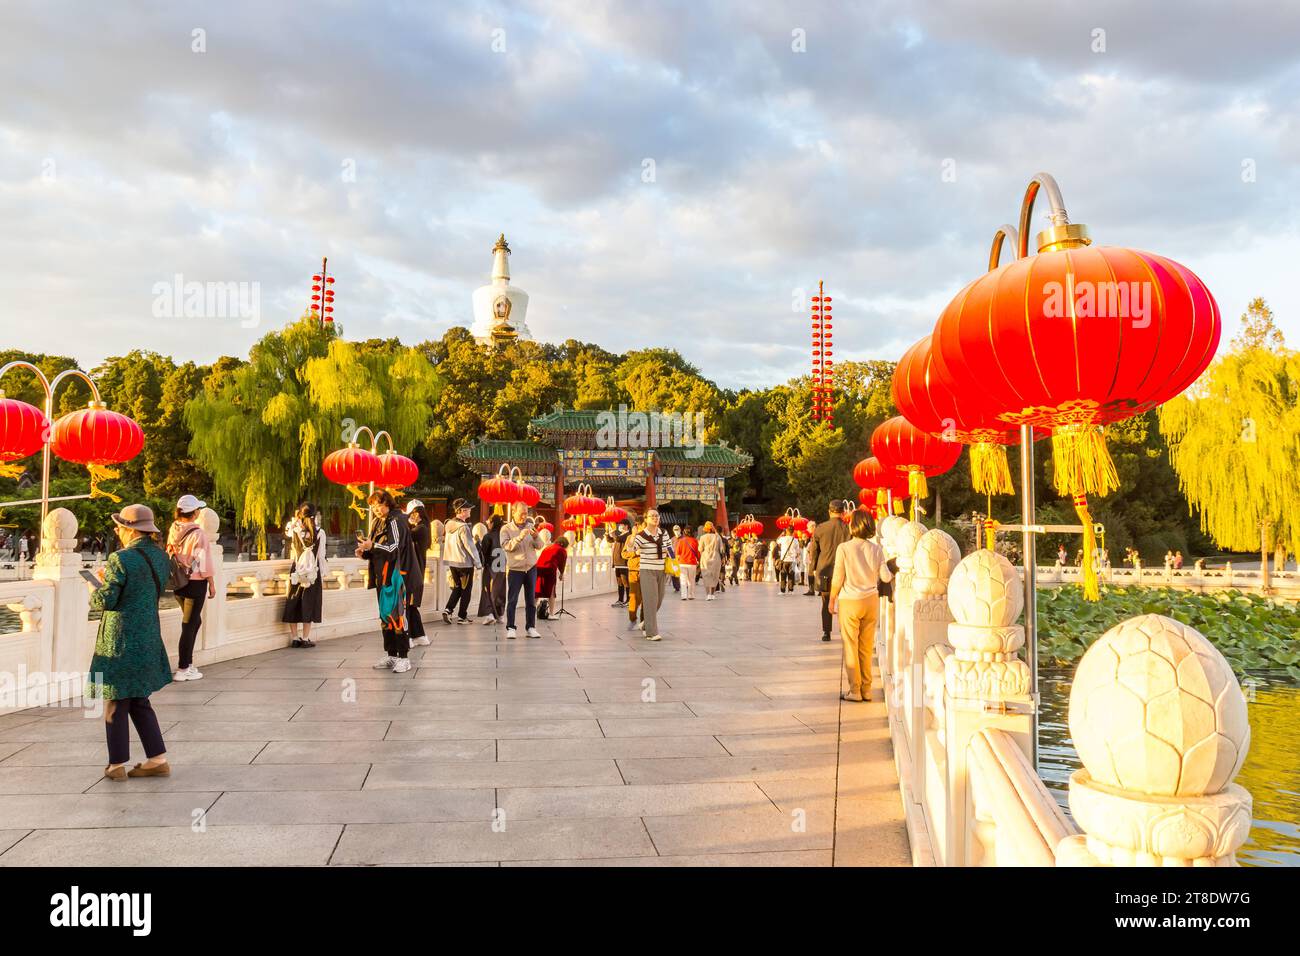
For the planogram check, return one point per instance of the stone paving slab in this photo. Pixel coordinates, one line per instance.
(469, 842)
(184, 753)
(113, 808)
(483, 773)
(256, 776)
(598, 748)
(630, 801)
(361, 806)
(374, 751)
(306, 845)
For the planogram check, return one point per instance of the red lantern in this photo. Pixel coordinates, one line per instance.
(97, 438)
(869, 473)
(499, 490)
(1024, 354)
(528, 494)
(799, 524)
(396, 471)
(547, 527)
(932, 407)
(23, 429)
(351, 466)
(902, 446)
(569, 524)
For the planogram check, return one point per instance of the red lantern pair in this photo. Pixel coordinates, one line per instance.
(901, 446)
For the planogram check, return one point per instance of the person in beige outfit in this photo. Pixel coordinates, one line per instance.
(860, 567)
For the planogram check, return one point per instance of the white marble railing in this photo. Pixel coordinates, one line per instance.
(46, 659)
(961, 722)
(1283, 583)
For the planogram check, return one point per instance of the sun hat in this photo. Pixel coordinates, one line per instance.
(136, 518)
(190, 503)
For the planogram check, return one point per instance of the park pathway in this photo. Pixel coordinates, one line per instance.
(724, 744)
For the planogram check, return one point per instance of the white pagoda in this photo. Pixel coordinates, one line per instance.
(500, 309)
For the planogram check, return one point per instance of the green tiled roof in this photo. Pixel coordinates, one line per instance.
(705, 455)
(569, 420)
(512, 451)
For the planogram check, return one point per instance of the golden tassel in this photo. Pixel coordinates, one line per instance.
(357, 496)
(11, 470)
(1081, 465)
(1091, 591)
(99, 473)
(989, 472)
(898, 506)
(916, 484)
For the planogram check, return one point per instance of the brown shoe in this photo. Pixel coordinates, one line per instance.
(161, 770)
(117, 773)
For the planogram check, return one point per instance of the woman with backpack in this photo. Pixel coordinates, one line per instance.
(421, 541)
(306, 573)
(387, 548)
(653, 547)
(191, 579)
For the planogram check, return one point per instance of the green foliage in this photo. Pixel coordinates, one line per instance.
(264, 427)
(1253, 633)
(1235, 440)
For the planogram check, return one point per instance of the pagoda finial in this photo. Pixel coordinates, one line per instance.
(502, 245)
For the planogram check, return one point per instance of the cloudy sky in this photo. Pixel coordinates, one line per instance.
(675, 174)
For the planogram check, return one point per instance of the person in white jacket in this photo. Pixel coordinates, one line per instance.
(461, 558)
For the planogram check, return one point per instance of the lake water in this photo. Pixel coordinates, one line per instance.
(1271, 772)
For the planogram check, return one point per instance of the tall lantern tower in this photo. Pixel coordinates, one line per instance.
(823, 363)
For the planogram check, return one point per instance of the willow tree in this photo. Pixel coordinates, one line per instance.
(1234, 441)
(262, 429)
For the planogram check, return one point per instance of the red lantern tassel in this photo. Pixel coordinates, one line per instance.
(1091, 591)
(989, 472)
(1081, 465)
(357, 497)
(10, 469)
(916, 487)
(100, 473)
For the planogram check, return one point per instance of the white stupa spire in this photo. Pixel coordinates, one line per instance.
(500, 309)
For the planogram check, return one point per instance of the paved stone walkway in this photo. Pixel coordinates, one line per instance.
(488, 752)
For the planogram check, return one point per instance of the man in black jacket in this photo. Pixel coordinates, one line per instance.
(821, 559)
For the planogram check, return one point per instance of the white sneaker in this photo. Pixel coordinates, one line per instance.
(511, 634)
(709, 598)
(653, 637)
(189, 673)
(385, 663)
(401, 665)
(533, 632)
(462, 620)
(640, 625)
(420, 641)
(488, 621)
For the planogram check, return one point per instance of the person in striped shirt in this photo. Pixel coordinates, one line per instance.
(653, 546)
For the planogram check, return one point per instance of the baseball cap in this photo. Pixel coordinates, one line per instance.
(413, 504)
(190, 503)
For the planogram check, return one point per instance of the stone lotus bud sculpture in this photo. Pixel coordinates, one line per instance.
(985, 597)
(906, 538)
(59, 531)
(888, 528)
(933, 562)
(1159, 722)
(210, 522)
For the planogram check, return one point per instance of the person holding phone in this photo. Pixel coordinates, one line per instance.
(392, 563)
(521, 543)
(130, 661)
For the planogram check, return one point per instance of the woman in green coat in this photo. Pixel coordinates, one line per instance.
(130, 661)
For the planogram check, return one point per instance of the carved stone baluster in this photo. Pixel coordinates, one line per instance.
(1159, 722)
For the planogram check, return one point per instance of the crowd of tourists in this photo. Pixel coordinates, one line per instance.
(516, 560)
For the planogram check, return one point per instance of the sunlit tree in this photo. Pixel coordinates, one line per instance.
(1234, 440)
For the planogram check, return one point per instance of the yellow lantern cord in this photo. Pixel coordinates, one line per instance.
(1081, 465)
(357, 496)
(916, 486)
(989, 472)
(1091, 591)
(100, 473)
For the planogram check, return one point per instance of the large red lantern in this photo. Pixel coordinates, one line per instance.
(900, 445)
(351, 466)
(936, 409)
(97, 438)
(1073, 338)
(528, 494)
(23, 429)
(499, 490)
(396, 471)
